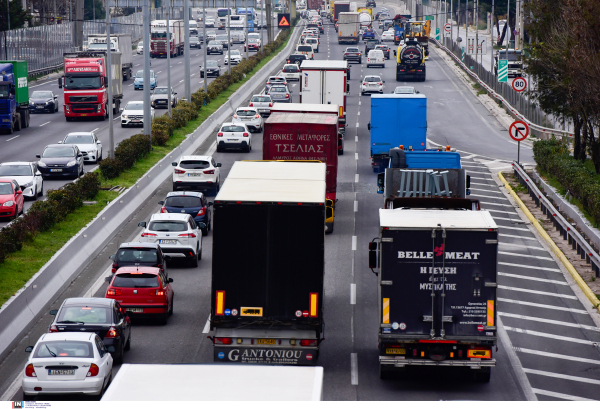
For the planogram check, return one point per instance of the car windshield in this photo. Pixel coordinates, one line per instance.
(15, 170)
(85, 315)
(372, 79)
(160, 91)
(141, 44)
(233, 128)
(512, 56)
(167, 225)
(194, 164)
(304, 48)
(278, 89)
(212, 64)
(311, 40)
(183, 201)
(79, 82)
(141, 255)
(404, 90)
(134, 106)
(235, 52)
(213, 42)
(58, 152)
(140, 74)
(6, 188)
(254, 41)
(276, 79)
(63, 348)
(245, 112)
(222, 37)
(41, 94)
(261, 99)
(82, 139)
(127, 280)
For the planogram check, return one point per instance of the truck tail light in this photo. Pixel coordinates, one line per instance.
(112, 333)
(308, 342)
(179, 171)
(94, 370)
(245, 134)
(209, 172)
(114, 268)
(202, 211)
(53, 328)
(187, 235)
(29, 371)
(114, 291)
(220, 134)
(164, 210)
(148, 235)
(314, 305)
(220, 303)
(225, 341)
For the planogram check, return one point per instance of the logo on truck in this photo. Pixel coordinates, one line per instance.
(450, 255)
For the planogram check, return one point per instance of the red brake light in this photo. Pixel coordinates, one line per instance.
(53, 329)
(209, 172)
(287, 95)
(308, 342)
(235, 115)
(163, 210)
(94, 370)
(114, 268)
(220, 134)
(245, 134)
(257, 116)
(156, 292)
(113, 291)
(179, 171)
(148, 235)
(226, 341)
(187, 235)
(251, 104)
(270, 104)
(202, 211)
(112, 333)
(380, 83)
(29, 371)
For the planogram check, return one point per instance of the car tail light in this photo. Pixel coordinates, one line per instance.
(235, 115)
(270, 104)
(114, 268)
(380, 83)
(202, 211)
(148, 235)
(114, 291)
(220, 134)
(156, 292)
(187, 235)
(287, 95)
(112, 333)
(257, 116)
(364, 83)
(29, 371)
(179, 171)
(226, 341)
(346, 53)
(209, 172)
(53, 328)
(308, 342)
(94, 370)
(245, 133)
(164, 210)
(251, 104)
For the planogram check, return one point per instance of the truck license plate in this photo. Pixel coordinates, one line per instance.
(265, 341)
(395, 351)
(135, 309)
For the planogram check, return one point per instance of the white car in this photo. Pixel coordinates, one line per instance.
(263, 103)
(314, 42)
(177, 234)
(387, 36)
(67, 363)
(250, 117)
(27, 176)
(236, 57)
(291, 72)
(210, 22)
(133, 114)
(306, 50)
(88, 143)
(140, 47)
(253, 35)
(375, 57)
(160, 97)
(235, 136)
(211, 35)
(196, 173)
(371, 83)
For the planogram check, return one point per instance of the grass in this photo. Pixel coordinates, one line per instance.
(19, 267)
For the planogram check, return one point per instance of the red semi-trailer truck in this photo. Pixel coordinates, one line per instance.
(158, 40)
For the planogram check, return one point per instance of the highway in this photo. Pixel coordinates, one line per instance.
(548, 339)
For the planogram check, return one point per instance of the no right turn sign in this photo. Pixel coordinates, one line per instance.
(518, 130)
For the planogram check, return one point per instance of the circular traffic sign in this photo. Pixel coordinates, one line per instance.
(447, 27)
(305, 313)
(518, 130)
(480, 328)
(519, 84)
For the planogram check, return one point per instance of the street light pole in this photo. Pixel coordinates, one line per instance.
(228, 42)
(111, 136)
(146, 40)
(186, 50)
(205, 40)
(169, 102)
(246, 35)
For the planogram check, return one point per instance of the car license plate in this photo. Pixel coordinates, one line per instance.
(61, 371)
(246, 119)
(192, 175)
(395, 351)
(135, 120)
(167, 242)
(265, 341)
(56, 170)
(262, 110)
(232, 140)
(135, 309)
(40, 106)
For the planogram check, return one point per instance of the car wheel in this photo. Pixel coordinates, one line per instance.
(41, 192)
(119, 358)
(219, 149)
(362, 93)
(128, 343)
(217, 188)
(27, 397)
(56, 108)
(194, 260)
(200, 254)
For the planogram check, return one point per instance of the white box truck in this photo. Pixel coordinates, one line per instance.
(324, 82)
(120, 43)
(349, 27)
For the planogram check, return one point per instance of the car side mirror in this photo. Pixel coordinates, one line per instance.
(162, 202)
(168, 258)
(53, 312)
(38, 156)
(112, 256)
(218, 164)
(170, 280)
(142, 224)
(175, 93)
(121, 109)
(79, 155)
(173, 163)
(383, 81)
(394, 53)
(210, 203)
(38, 173)
(29, 349)
(468, 181)
(201, 226)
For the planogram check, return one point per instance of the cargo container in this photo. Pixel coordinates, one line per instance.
(349, 27)
(120, 43)
(14, 96)
(339, 7)
(324, 82)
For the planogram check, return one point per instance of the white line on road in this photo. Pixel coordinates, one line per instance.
(359, 102)
(356, 138)
(355, 206)
(352, 293)
(525, 290)
(356, 178)
(159, 71)
(479, 173)
(356, 155)
(500, 211)
(543, 280)
(358, 113)
(206, 329)
(557, 395)
(357, 124)
(95, 129)
(562, 376)
(516, 237)
(493, 197)
(504, 244)
(558, 356)
(525, 255)
(181, 81)
(550, 307)
(485, 190)
(353, 242)
(353, 368)
(495, 204)
(547, 321)
(489, 180)
(510, 220)
(12, 389)
(514, 228)
(14, 137)
(532, 267)
(45, 123)
(137, 65)
(552, 336)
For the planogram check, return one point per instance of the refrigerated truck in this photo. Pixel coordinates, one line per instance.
(268, 263)
(120, 43)
(211, 382)
(324, 82)
(339, 7)
(437, 283)
(349, 27)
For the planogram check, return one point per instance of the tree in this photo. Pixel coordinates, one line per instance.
(93, 8)
(18, 16)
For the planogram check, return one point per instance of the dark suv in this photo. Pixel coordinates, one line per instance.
(370, 45)
(193, 203)
(297, 59)
(140, 254)
(371, 4)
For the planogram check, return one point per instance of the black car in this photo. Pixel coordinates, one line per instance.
(43, 101)
(193, 203)
(140, 254)
(61, 160)
(385, 49)
(353, 54)
(370, 45)
(371, 4)
(212, 68)
(104, 316)
(296, 59)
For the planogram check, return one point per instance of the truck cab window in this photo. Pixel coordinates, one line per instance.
(82, 82)
(4, 91)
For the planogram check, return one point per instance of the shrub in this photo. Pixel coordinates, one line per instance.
(111, 168)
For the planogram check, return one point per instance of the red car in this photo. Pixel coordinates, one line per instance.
(253, 45)
(12, 201)
(142, 291)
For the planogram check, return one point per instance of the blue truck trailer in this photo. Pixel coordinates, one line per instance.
(399, 22)
(14, 96)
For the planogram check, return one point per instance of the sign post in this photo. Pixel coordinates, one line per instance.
(518, 130)
(502, 70)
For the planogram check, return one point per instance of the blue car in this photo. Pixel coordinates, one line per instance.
(192, 203)
(368, 33)
(60, 160)
(138, 80)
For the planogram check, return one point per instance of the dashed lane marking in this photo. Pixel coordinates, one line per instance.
(45, 123)
(517, 237)
(558, 395)
(557, 356)
(562, 376)
(531, 267)
(353, 368)
(526, 290)
(354, 242)
(546, 306)
(520, 246)
(543, 280)
(547, 321)
(356, 178)
(514, 228)
(14, 137)
(525, 255)
(352, 293)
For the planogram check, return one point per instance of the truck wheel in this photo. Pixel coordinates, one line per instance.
(25, 119)
(18, 122)
(329, 228)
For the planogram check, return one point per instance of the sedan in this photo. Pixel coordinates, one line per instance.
(195, 42)
(353, 54)
(234, 136)
(368, 33)
(236, 57)
(192, 203)
(224, 39)
(280, 93)
(142, 291)
(43, 101)
(139, 254)
(372, 83)
(211, 34)
(212, 68)
(88, 143)
(100, 315)
(133, 114)
(140, 47)
(248, 116)
(11, 198)
(160, 97)
(60, 160)
(214, 47)
(27, 176)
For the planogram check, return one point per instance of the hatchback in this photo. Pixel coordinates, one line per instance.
(372, 83)
(234, 136)
(280, 93)
(192, 203)
(250, 117)
(12, 202)
(60, 160)
(142, 291)
(253, 44)
(197, 173)
(263, 103)
(275, 79)
(140, 254)
(291, 72)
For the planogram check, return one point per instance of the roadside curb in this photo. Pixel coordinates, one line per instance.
(559, 254)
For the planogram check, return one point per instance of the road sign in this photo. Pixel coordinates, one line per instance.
(518, 130)
(284, 20)
(470, 45)
(463, 54)
(519, 84)
(437, 33)
(429, 18)
(447, 30)
(502, 70)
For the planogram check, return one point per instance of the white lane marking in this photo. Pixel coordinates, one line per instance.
(562, 376)
(510, 220)
(94, 130)
(525, 255)
(356, 178)
(158, 72)
(558, 395)
(355, 206)
(493, 197)
(479, 173)
(359, 102)
(552, 336)
(558, 356)
(14, 137)
(206, 329)
(482, 184)
(357, 124)
(549, 307)
(45, 123)
(489, 180)
(12, 389)
(473, 166)
(181, 81)
(547, 321)
(543, 280)
(525, 290)
(352, 294)
(356, 155)
(504, 244)
(531, 267)
(484, 190)
(358, 113)
(137, 65)
(500, 211)
(356, 138)
(514, 228)
(469, 157)
(353, 368)
(517, 237)
(353, 242)
(495, 204)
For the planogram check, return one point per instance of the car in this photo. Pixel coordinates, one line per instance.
(296, 59)
(370, 45)
(314, 42)
(368, 33)
(27, 175)
(291, 72)
(224, 39)
(60, 160)
(234, 136)
(140, 47)
(192, 203)
(387, 36)
(211, 34)
(375, 57)
(280, 93)
(88, 143)
(201, 37)
(253, 44)
(43, 101)
(371, 83)
(275, 79)
(254, 35)
(212, 68)
(143, 292)
(195, 42)
(67, 363)
(176, 233)
(405, 90)
(371, 3)
(160, 97)
(102, 316)
(250, 117)
(236, 57)
(388, 24)
(214, 47)
(12, 201)
(307, 50)
(321, 28)
(133, 114)
(352, 54)
(385, 49)
(210, 22)
(138, 80)
(238, 37)
(140, 254)
(263, 103)
(197, 173)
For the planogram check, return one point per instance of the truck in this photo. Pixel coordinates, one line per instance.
(14, 96)
(367, 10)
(314, 5)
(258, 314)
(419, 31)
(331, 9)
(324, 82)
(205, 382)
(437, 278)
(410, 61)
(237, 22)
(349, 27)
(158, 38)
(515, 62)
(293, 136)
(365, 19)
(400, 21)
(120, 43)
(340, 7)
(86, 87)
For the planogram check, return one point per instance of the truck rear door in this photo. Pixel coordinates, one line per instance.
(335, 92)
(311, 87)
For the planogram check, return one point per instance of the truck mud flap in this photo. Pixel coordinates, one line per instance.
(268, 356)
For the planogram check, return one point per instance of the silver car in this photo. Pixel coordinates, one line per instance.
(160, 97)
(263, 103)
(224, 40)
(280, 93)
(214, 47)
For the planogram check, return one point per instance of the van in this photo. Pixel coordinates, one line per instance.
(313, 42)
(308, 51)
(375, 57)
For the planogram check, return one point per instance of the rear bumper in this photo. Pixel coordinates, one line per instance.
(236, 145)
(89, 386)
(194, 185)
(400, 363)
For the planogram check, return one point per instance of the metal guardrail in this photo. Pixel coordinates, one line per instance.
(576, 240)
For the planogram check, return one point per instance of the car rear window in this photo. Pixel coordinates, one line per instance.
(291, 68)
(372, 79)
(232, 128)
(61, 349)
(167, 225)
(261, 99)
(137, 256)
(86, 315)
(183, 201)
(245, 112)
(304, 48)
(128, 280)
(352, 50)
(278, 89)
(194, 164)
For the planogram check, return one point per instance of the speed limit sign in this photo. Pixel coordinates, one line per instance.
(519, 84)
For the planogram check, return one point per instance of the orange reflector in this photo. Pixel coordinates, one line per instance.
(314, 305)
(451, 354)
(220, 303)
(422, 353)
(479, 353)
(341, 111)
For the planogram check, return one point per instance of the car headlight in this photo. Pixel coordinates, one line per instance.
(9, 203)
(124, 116)
(72, 163)
(92, 152)
(41, 164)
(47, 102)
(28, 184)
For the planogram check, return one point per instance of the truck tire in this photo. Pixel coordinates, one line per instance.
(25, 119)
(18, 122)
(384, 373)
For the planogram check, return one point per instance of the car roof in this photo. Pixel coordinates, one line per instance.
(195, 157)
(185, 193)
(85, 301)
(246, 108)
(135, 102)
(170, 216)
(79, 133)
(6, 180)
(138, 269)
(67, 336)
(137, 244)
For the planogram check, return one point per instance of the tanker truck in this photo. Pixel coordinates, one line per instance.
(410, 61)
